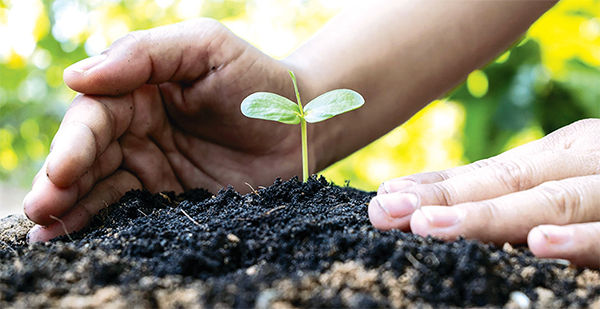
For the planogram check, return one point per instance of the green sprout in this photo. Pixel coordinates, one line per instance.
(270, 106)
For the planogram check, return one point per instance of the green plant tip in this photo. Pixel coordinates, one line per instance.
(271, 106)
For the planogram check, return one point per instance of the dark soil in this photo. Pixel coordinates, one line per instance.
(292, 244)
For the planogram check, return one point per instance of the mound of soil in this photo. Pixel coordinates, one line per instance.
(292, 244)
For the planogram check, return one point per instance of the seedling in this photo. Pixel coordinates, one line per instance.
(270, 106)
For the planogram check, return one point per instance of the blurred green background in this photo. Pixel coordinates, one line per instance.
(547, 80)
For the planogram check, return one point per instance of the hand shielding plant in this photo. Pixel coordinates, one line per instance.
(270, 106)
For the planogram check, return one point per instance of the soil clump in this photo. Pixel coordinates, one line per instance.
(292, 244)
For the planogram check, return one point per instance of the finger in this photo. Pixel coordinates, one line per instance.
(563, 139)
(104, 193)
(89, 126)
(495, 179)
(384, 217)
(148, 142)
(178, 52)
(509, 218)
(579, 243)
(47, 199)
(147, 161)
(401, 183)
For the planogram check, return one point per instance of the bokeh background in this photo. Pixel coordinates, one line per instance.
(547, 80)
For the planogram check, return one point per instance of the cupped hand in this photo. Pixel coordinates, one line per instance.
(159, 109)
(545, 193)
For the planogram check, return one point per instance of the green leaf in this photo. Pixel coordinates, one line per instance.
(270, 106)
(332, 103)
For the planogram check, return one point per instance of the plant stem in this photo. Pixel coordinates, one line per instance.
(304, 150)
(303, 130)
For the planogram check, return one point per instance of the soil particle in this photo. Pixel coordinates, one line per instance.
(292, 244)
(13, 230)
(546, 298)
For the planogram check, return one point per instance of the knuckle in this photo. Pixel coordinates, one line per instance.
(135, 37)
(445, 194)
(86, 206)
(115, 188)
(483, 163)
(567, 137)
(440, 175)
(492, 211)
(513, 175)
(113, 192)
(564, 200)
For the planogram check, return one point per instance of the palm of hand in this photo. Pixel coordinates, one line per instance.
(163, 117)
(183, 137)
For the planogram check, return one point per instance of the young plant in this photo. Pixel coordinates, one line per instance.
(270, 106)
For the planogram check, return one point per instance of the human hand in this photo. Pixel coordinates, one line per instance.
(161, 110)
(545, 193)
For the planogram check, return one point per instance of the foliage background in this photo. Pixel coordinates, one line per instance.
(549, 79)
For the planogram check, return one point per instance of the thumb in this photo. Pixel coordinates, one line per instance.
(178, 52)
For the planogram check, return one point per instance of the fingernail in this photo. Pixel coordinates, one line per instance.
(442, 216)
(555, 234)
(32, 235)
(392, 186)
(397, 205)
(87, 64)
